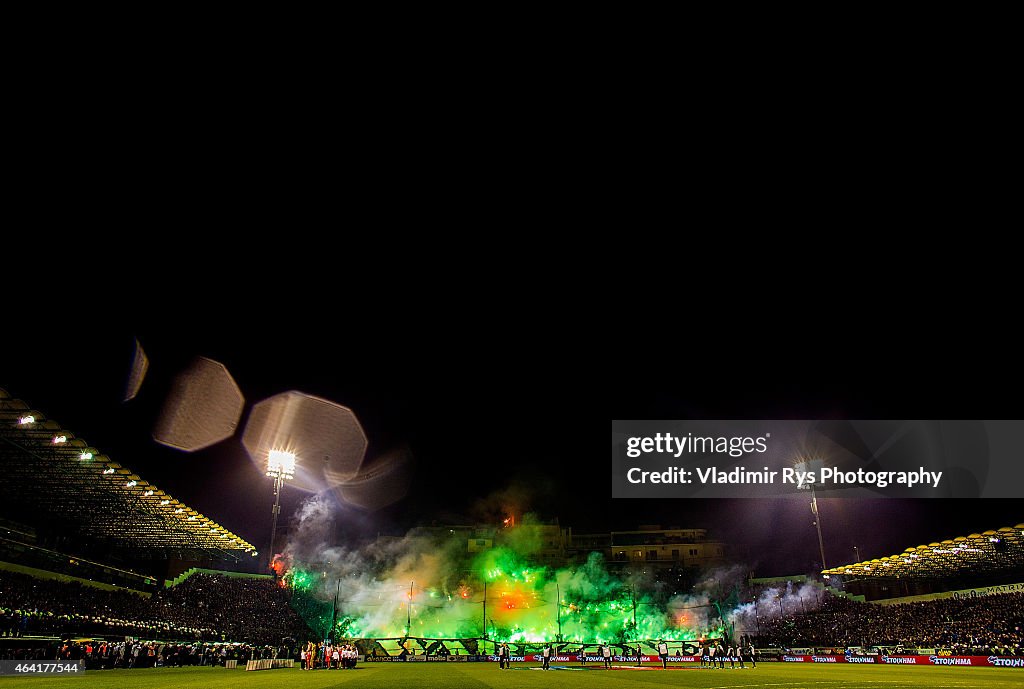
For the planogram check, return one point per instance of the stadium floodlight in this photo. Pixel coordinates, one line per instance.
(165, 502)
(131, 484)
(85, 455)
(281, 462)
(108, 471)
(148, 493)
(179, 510)
(59, 439)
(26, 420)
(280, 467)
(314, 428)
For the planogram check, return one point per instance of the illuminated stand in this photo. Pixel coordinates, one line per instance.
(280, 467)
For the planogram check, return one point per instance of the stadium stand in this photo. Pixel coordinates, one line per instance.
(59, 494)
(204, 607)
(992, 624)
(99, 654)
(993, 557)
(73, 490)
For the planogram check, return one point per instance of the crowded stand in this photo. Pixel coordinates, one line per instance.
(986, 625)
(208, 619)
(204, 607)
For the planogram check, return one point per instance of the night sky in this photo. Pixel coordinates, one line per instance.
(498, 405)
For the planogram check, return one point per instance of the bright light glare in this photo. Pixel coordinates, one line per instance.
(58, 439)
(148, 493)
(131, 484)
(108, 471)
(281, 463)
(25, 420)
(85, 455)
(165, 502)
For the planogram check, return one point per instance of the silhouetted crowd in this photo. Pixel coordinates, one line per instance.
(986, 625)
(99, 654)
(204, 607)
(239, 609)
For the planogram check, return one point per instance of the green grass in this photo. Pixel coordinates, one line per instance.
(487, 675)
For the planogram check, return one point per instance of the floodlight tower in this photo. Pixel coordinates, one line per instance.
(280, 467)
(814, 466)
(817, 525)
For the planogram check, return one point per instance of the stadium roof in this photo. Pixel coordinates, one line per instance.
(59, 479)
(992, 552)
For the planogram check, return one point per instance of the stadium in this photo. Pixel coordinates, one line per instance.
(118, 572)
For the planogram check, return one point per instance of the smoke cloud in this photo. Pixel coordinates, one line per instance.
(448, 583)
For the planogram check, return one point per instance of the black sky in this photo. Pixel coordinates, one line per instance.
(486, 403)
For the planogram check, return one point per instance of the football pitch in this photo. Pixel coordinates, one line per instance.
(526, 676)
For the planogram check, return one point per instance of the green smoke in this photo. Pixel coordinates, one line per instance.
(434, 587)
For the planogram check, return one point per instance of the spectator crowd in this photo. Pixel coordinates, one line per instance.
(204, 607)
(198, 617)
(986, 625)
(99, 654)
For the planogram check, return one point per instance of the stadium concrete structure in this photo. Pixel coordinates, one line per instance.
(92, 516)
(651, 546)
(991, 558)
